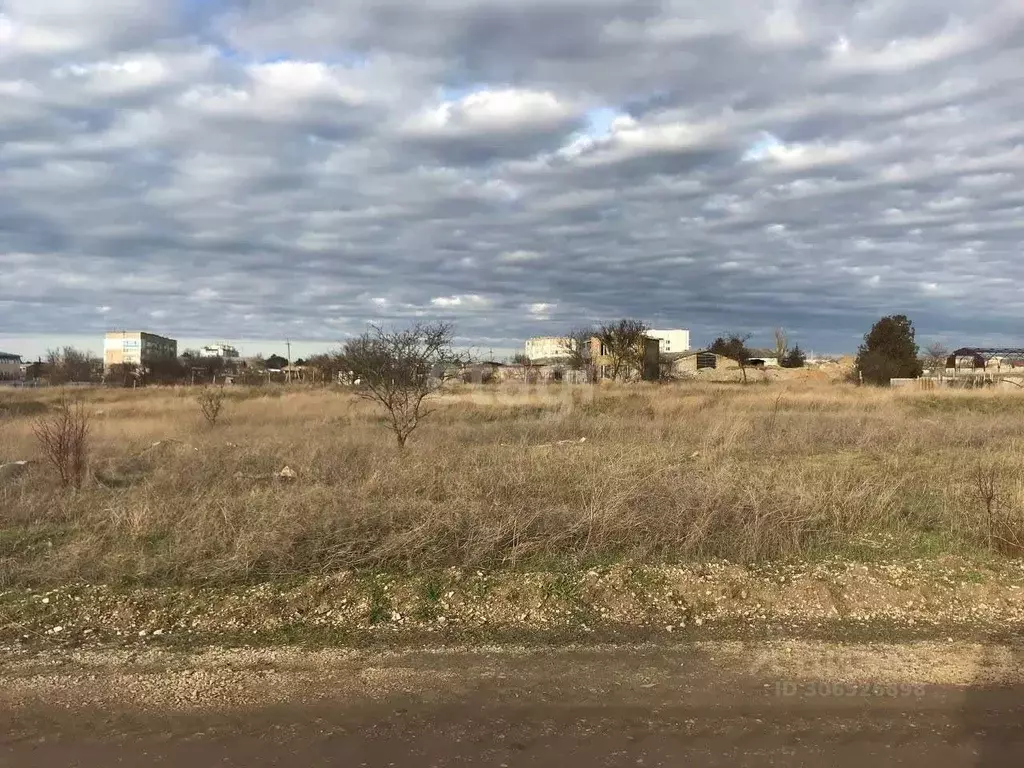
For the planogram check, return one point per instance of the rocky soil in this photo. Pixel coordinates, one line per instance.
(925, 598)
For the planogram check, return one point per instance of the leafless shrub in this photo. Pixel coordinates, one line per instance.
(400, 369)
(211, 401)
(1002, 525)
(64, 437)
(623, 343)
(575, 345)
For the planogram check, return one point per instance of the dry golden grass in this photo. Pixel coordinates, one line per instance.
(665, 473)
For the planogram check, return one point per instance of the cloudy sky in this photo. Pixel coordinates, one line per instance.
(270, 169)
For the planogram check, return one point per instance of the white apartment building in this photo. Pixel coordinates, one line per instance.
(547, 348)
(671, 342)
(219, 350)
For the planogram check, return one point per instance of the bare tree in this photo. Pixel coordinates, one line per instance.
(576, 345)
(781, 344)
(623, 343)
(211, 401)
(64, 438)
(326, 367)
(935, 356)
(398, 370)
(70, 364)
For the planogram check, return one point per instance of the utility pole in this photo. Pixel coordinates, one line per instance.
(288, 344)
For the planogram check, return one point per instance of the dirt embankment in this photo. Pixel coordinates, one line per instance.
(919, 598)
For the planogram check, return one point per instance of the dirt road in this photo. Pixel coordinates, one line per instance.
(785, 704)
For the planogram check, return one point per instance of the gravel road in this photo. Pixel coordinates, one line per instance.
(730, 704)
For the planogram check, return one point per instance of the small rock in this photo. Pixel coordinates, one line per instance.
(46, 600)
(669, 628)
(143, 633)
(287, 473)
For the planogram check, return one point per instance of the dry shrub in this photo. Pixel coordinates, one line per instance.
(211, 401)
(64, 438)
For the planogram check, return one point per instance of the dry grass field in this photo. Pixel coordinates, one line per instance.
(665, 473)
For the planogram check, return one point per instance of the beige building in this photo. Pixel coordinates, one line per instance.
(702, 360)
(547, 348)
(10, 367)
(137, 348)
(604, 362)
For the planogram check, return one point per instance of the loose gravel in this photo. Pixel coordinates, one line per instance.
(349, 608)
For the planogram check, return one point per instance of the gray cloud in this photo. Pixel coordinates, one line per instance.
(261, 170)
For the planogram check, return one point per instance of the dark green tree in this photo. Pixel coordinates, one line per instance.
(276, 362)
(889, 351)
(794, 358)
(733, 346)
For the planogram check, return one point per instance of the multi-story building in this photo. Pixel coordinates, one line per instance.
(547, 348)
(219, 350)
(671, 342)
(10, 367)
(137, 348)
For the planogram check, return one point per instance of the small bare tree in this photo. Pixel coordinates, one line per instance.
(64, 438)
(398, 370)
(935, 356)
(781, 344)
(623, 343)
(576, 345)
(211, 401)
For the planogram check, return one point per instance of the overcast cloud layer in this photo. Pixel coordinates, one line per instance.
(298, 168)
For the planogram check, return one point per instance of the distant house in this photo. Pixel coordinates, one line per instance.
(483, 372)
(547, 348)
(701, 360)
(219, 350)
(604, 363)
(10, 367)
(763, 358)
